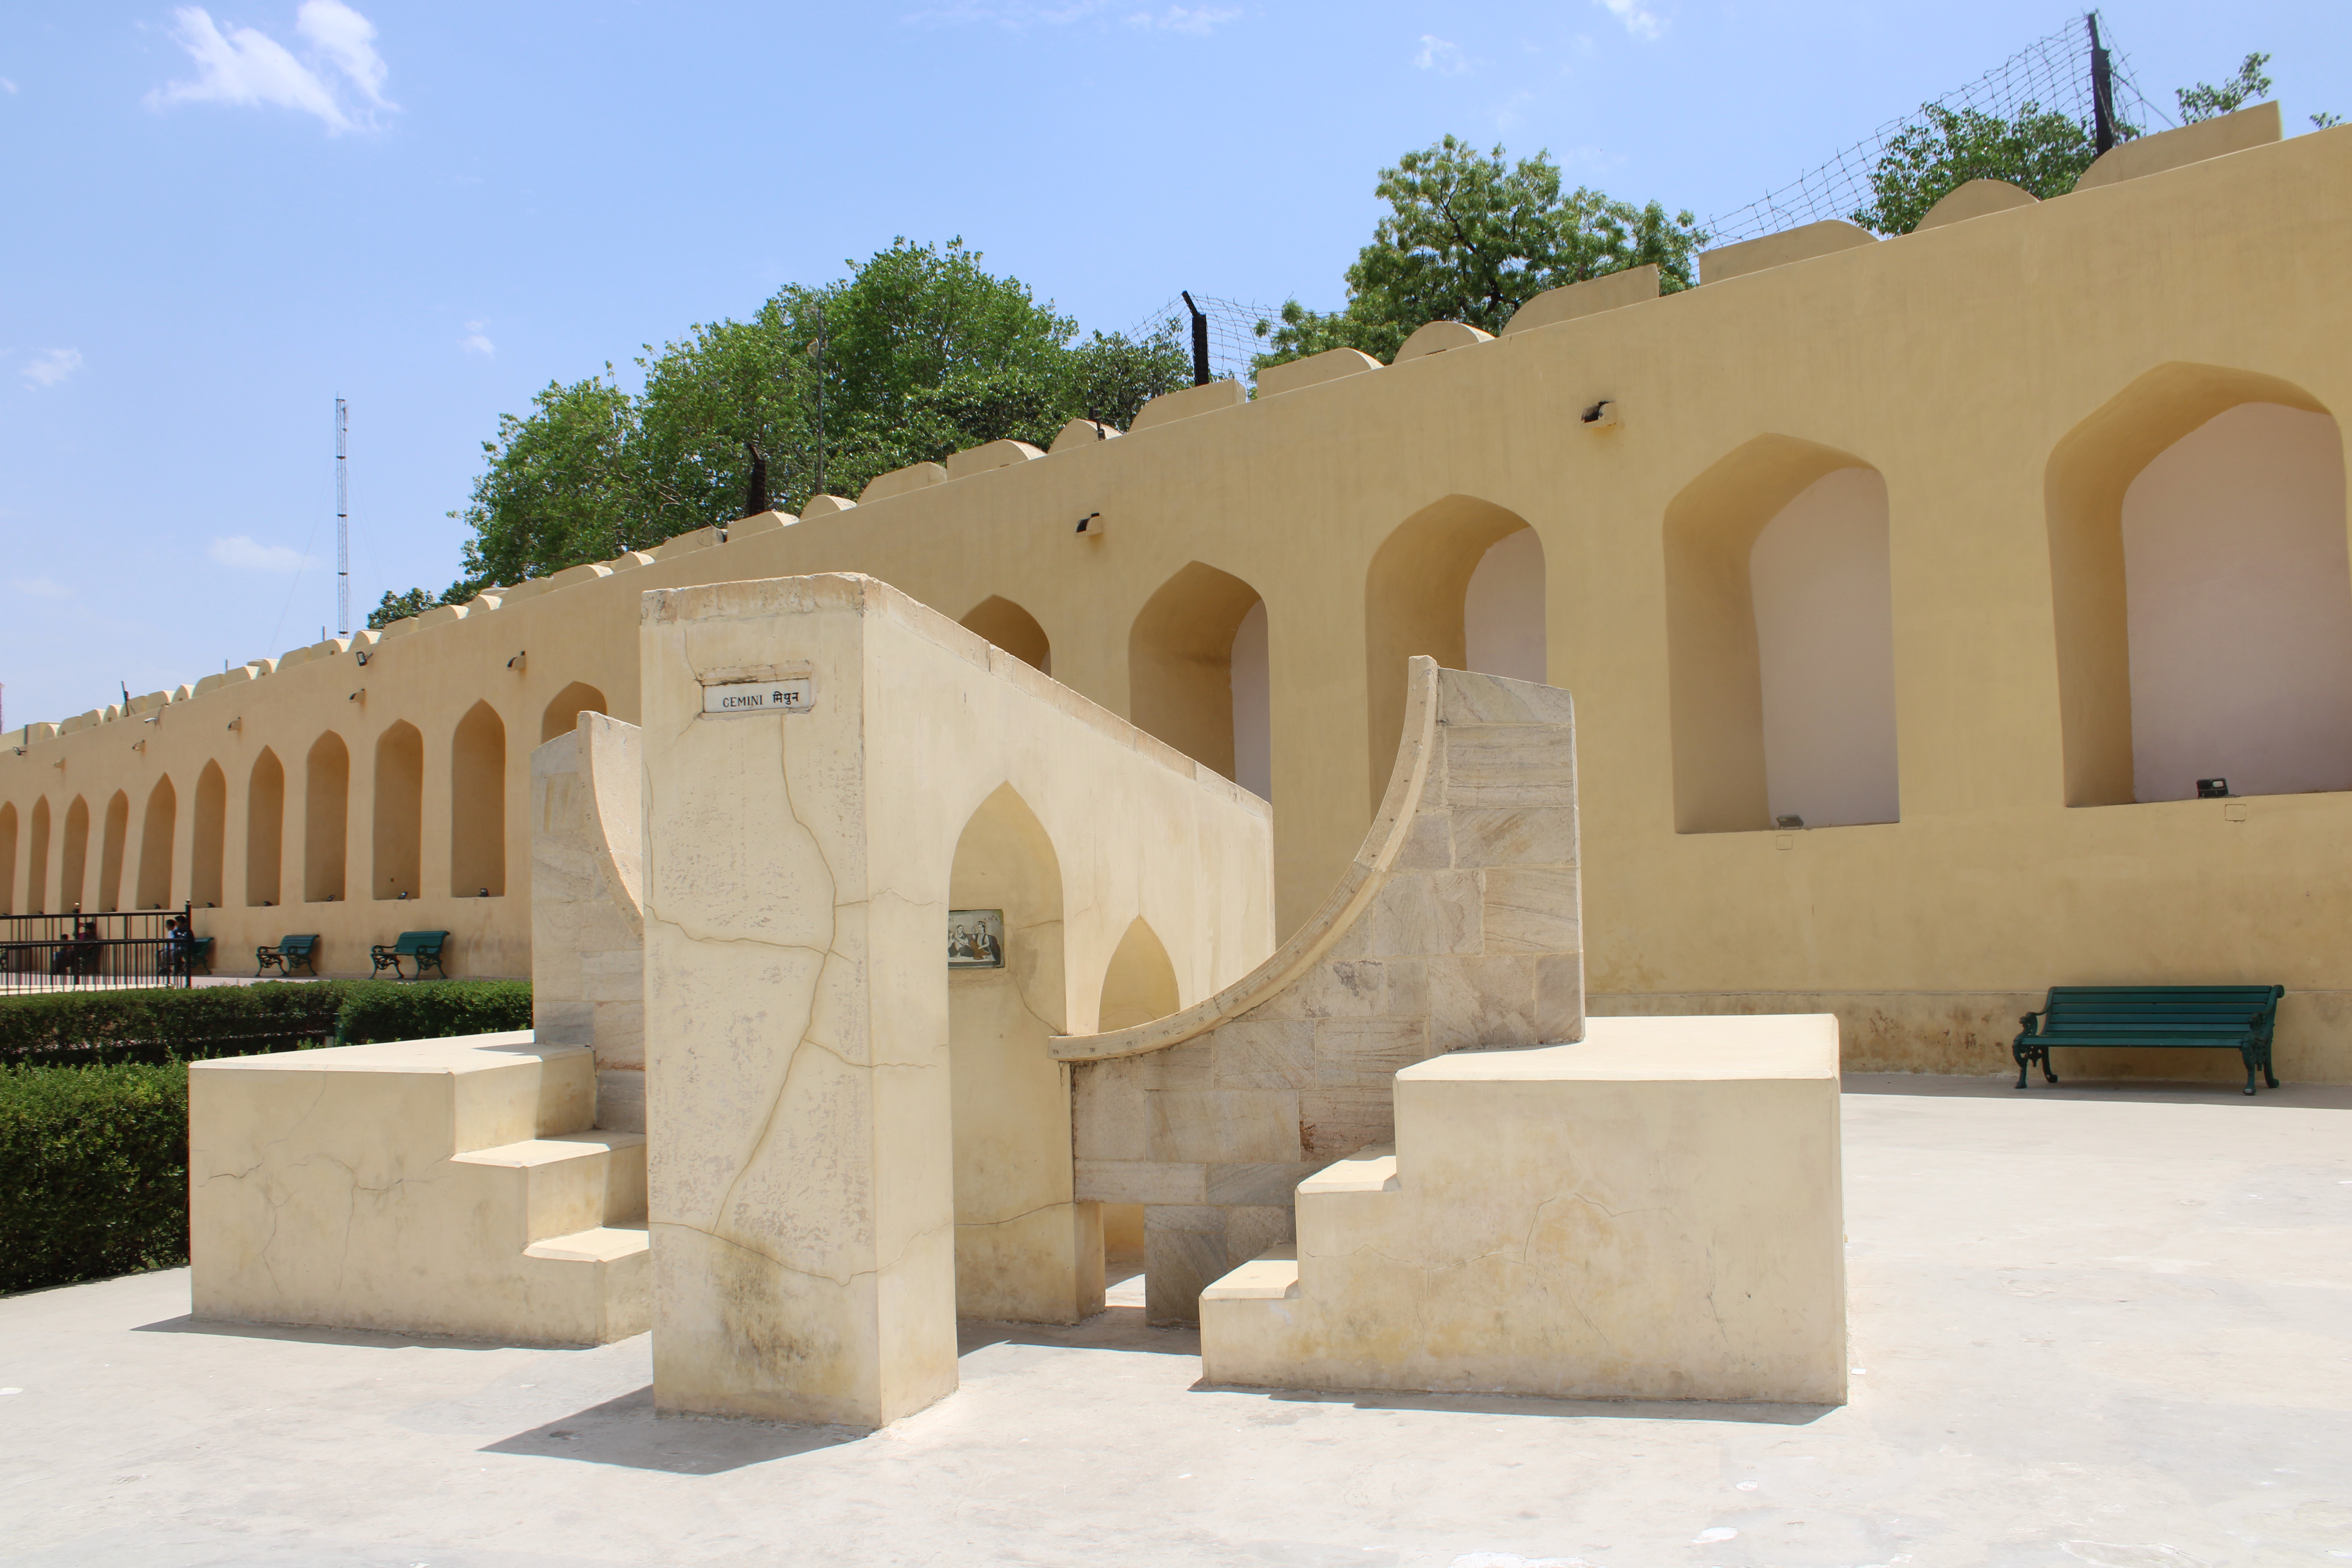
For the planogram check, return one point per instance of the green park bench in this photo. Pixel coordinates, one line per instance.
(185, 958)
(419, 947)
(289, 952)
(2184, 1018)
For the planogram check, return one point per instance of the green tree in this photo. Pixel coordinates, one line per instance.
(562, 486)
(918, 353)
(2205, 101)
(1471, 237)
(2039, 150)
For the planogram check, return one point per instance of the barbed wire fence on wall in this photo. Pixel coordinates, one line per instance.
(1232, 331)
(2052, 74)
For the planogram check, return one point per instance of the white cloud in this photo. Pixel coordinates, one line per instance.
(1198, 20)
(477, 341)
(40, 588)
(1638, 18)
(348, 39)
(243, 551)
(247, 67)
(51, 366)
(1437, 54)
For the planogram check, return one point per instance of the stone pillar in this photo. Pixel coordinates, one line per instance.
(801, 1189)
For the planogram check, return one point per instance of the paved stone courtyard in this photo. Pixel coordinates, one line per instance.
(2111, 1325)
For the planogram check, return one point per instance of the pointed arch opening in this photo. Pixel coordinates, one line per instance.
(209, 850)
(2201, 591)
(478, 804)
(563, 711)
(113, 846)
(1141, 983)
(156, 834)
(1193, 682)
(398, 871)
(1024, 1251)
(73, 858)
(1781, 641)
(1436, 574)
(326, 818)
(37, 859)
(1014, 629)
(265, 829)
(8, 857)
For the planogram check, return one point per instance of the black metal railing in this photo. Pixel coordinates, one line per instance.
(114, 950)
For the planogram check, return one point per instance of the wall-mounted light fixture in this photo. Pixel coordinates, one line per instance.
(1091, 526)
(1602, 415)
(357, 696)
(1789, 824)
(363, 656)
(237, 723)
(516, 663)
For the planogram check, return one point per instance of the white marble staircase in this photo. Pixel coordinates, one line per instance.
(454, 1186)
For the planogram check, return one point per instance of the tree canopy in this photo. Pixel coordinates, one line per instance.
(919, 352)
(1470, 237)
(2040, 151)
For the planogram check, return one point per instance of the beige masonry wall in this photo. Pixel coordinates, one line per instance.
(1994, 372)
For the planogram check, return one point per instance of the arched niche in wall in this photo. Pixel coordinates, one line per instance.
(1140, 984)
(478, 804)
(1008, 1099)
(1416, 601)
(563, 711)
(37, 858)
(398, 870)
(112, 846)
(1014, 629)
(1779, 640)
(1503, 630)
(326, 818)
(8, 829)
(265, 830)
(210, 849)
(1182, 672)
(2201, 590)
(156, 835)
(73, 858)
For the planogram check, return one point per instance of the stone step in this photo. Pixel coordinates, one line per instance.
(1271, 1276)
(1346, 1204)
(595, 1285)
(576, 1183)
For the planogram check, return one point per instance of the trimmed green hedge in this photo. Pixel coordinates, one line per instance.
(94, 1101)
(70, 1028)
(93, 1172)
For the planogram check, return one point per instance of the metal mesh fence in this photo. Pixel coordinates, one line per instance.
(2052, 74)
(1232, 331)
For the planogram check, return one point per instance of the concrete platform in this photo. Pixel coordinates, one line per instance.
(2108, 1325)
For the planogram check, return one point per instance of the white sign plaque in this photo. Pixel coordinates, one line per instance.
(795, 694)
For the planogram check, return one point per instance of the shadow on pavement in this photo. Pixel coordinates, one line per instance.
(1750, 1415)
(1112, 1329)
(359, 1339)
(626, 1431)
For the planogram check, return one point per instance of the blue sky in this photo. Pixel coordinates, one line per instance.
(218, 218)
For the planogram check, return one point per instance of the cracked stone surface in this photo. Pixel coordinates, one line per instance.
(848, 1140)
(2100, 1325)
